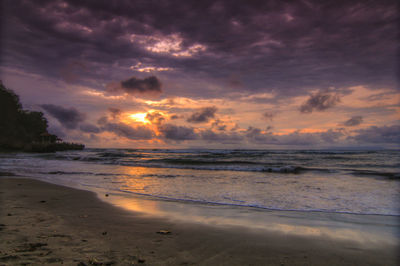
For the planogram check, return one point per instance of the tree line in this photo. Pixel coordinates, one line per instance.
(25, 130)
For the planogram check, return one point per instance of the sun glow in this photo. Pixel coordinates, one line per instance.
(140, 117)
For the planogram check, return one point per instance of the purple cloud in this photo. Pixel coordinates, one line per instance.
(296, 46)
(127, 131)
(133, 85)
(177, 133)
(374, 134)
(353, 121)
(320, 101)
(203, 115)
(68, 117)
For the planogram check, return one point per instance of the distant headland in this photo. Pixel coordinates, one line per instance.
(24, 130)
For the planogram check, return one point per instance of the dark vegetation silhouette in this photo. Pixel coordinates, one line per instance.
(24, 130)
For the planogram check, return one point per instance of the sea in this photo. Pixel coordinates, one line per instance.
(331, 181)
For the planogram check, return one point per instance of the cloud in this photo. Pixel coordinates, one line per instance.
(318, 45)
(102, 120)
(269, 115)
(133, 85)
(124, 130)
(115, 112)
(68, 117)
(299, 138)
(155, 117)
(72, 71)
(320, 101)
(354, 121)
(203, 115)
(141, 68)
(332, 48)
(56, 130)
(177, 133)
(127, 131)
(219, 125)
(374, 134)
(255, 135)
(296, 138)
(89, 128)
(225, 138)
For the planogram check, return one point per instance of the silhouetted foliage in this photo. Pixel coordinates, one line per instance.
(25, 130)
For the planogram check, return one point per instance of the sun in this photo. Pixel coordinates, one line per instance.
(140, 117)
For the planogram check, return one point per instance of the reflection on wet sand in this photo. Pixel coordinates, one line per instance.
(364, 229)
(368, 230)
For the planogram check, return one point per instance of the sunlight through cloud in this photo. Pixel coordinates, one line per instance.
(171, 44)
(140, 117)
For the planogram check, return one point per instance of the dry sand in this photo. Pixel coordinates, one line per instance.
(42, 223)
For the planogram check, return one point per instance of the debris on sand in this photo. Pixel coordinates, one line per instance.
(164, 232)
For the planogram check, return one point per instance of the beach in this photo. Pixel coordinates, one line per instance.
(43, 223)
(199, 133)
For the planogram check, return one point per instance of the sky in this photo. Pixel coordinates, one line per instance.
(207, 74)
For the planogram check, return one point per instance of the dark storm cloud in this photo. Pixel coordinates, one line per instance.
(127, 131)
(354, 121)
(203, 115)
(177, 133)
(296, 138)
(68, 117)
(299, 138)
(133, 85)
(225, 138)
(320, 101)
(124, 130)
(89, 128)
(255, 135)
(286, 46)
(374, 134)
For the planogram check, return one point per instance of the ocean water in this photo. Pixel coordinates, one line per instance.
(355, 182)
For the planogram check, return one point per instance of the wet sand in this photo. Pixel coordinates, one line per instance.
(42, 223)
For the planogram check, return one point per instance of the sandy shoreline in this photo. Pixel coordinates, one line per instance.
(43, 223)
